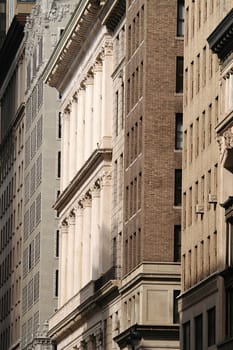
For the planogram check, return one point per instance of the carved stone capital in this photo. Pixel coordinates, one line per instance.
(225, 142)
(106, 178)
(107, 48)
(72, 217)
(98, 66)
(89, 79)
(64, 226)
(228, 138)
(95, 191)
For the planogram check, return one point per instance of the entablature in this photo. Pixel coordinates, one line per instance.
(220, 40)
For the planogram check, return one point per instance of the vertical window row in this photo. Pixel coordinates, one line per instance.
(198, 136)
(135, 32)
(134, 142)
(133, 196)
(134, 87)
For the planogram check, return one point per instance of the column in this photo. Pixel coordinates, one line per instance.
(106, 125)
(66, 143)
(231, 91)
(80, 128)
(88, 116)
(63, 263)
(78, 248)
(70, 257)
(95, 230)
(227, 93)
(72, 153)
(105, 222)
(97, 103)
(86, 240)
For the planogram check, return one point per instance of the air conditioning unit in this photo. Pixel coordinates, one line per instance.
(212, 198)
(199, 209)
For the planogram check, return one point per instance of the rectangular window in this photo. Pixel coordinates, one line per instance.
(229, 312)
(198, 333)
(179, 74)
(59, 164)
(179, 131)
(56, 283)
(186, 336)
(180, 18)
(178, 187)
(57, 243)
(211, 326)
(177, 243)
(175, 306)
(59, 125)
(116, 111)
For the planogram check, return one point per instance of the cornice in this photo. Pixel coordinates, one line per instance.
(148, 332)
(95, 159)
(69, 322)
(151, 272)
(199, 291)
(71, 41)
(113, 13)
(220, 40)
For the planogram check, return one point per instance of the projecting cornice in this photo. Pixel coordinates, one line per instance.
(98, 156)
(88, 13)
(71, 41)
(221, 39)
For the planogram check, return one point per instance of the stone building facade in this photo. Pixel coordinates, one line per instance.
(12, 116)
(120, 200)
(207, 180)
(41, 176)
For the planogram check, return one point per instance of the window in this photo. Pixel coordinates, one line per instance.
(229, 312)
(211, 326)
(186, 336)
(59, 125)
(59, 164)
(198, 333)
(179, 131)
(180, 18)
(178, 187)
(175, 306)
(57, 243)
(56, 283)
(179, 74)
(177, 243)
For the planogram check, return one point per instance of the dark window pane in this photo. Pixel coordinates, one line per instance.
(211, 326)
(229, 312)
(56, 283)
(198, 333)
(177, 243)
(180, 18)
(178, 186)
(179, 131)
(57, 243)
(179, 74)
(59, 164)
(186, 336)
(175, 306)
